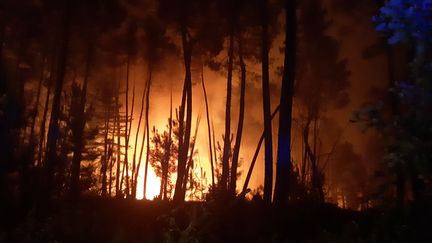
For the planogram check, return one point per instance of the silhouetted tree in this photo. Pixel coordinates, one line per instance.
(283, 163)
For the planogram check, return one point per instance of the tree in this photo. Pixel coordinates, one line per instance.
(51, 154)
(236, 152)
(321, 86)
(163, 156)
(268, 146)
(407, 157)
(283, 163)
(78, 124)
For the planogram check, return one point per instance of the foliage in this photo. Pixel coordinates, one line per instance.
(409, 125)
(163, 156)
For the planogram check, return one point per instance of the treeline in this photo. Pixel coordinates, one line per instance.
(68, 99)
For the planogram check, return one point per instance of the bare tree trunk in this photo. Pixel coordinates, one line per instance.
(111, 163)
(190, 161)
(233, 181)
(268, 170)
(164, 181)
(105, 156)
(184, 138)
(53, 131)
(214, 145)
(126, 162)
(208, 129)
(43, 126)
(145, 128)
(129, 184)
(148, 138)
(227, 143)
(36, 107)
(118, 186)
(283, 163)
(134, 176)
(79, 136)
(255, 156)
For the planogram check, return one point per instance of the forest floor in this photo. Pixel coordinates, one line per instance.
(114, 220)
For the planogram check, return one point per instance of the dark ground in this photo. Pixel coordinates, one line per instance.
(111, 220)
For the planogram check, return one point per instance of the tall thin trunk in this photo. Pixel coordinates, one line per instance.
(144, 132)
(79, 135)
(126, 162)
(190, 160)
(135, 177)
(111, 163)
(105, 156)
(36, 106)
(214, 144)
(184, 139)
(284, 164)
(306, 129)
(53, 131)
(227, 142)
(118, 186)
(268, 144)
(255, 156)
(43, 126)
(233, 180)
(164, 181)
(148, 138)
(208, 129)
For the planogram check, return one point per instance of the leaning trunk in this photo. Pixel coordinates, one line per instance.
(255, 156)
(208, 129)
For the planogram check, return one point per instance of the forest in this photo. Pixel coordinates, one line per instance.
(215, 121)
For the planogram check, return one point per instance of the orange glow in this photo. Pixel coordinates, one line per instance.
(153, 184)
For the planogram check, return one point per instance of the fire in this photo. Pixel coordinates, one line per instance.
(153, 184)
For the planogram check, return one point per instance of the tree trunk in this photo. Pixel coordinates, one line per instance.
(79, 136)
(135, 177)
(190, 160)
(283, 163)
(118, 187)
(53, 131)
(208, 129)
(223, 184)
(255, 156)
(148, 138)
(43, 126)
(184, 138)
(268, 144)
(105, 156)
(126, 162)
(164, 181)
(145, 128)
(36, 107)
(236, 153)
